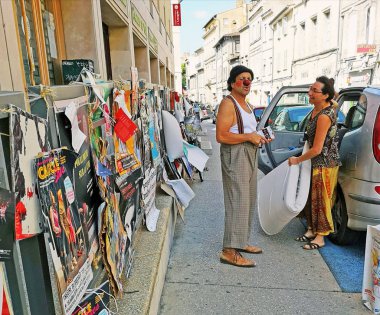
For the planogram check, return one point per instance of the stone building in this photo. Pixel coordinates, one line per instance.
(114, 34)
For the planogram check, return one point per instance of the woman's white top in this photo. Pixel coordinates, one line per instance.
(249, 120)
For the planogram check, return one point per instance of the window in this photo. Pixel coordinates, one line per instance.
(285, 26)
(225, 22)
(39, 41)
(352, 110)
(265, 34)
(290, 112)
(367, 25)
(151, 7)
(237, 46)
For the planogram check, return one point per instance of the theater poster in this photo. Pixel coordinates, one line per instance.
(7, 221)
(95, 303)
(28, 138)
(87, 193)
(65, 223)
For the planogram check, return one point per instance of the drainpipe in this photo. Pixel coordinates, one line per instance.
(339, 39)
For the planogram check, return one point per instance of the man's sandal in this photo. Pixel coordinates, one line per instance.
(304, 238)
(312, 246)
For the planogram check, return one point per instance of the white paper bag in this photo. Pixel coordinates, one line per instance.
(371, 277)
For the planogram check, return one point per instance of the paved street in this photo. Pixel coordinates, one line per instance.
(286, 280)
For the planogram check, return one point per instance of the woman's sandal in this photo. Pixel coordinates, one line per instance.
(304, 238)
(312, 246)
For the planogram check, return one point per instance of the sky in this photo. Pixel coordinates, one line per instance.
(194, 15)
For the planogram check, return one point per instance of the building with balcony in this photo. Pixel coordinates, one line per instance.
(359, 54)
(283, 44)
(223, 23)
(258, 55)
(227, 56)
(316, 44)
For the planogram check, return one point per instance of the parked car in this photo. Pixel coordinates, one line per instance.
(215, 113)
(358, 192)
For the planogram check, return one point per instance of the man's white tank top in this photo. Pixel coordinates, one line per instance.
(249, 120)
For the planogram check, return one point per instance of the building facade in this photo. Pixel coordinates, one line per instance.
(292, 42)
(219, 25)
(359, 54)
(115, 34)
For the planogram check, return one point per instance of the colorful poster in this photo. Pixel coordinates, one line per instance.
(85, 188)
(7, 223)
(95, 303)
(114, 240)
(64, 223)
(28, 138)
(125, 158)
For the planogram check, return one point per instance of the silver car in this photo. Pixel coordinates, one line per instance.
(358, 195)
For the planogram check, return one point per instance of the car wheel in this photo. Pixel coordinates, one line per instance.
(342, 235)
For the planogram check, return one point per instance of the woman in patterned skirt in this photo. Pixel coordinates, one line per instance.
(322, 136)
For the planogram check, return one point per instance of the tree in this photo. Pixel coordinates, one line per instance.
(183, 71)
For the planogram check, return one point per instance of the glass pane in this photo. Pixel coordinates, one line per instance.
(32, 41)
(51, 50)
(290, 111)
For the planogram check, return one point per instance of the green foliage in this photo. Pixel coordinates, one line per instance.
(183, 71)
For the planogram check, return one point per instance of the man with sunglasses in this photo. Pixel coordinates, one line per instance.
(236, 132)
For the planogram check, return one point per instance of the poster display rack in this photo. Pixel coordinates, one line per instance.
(80, 166)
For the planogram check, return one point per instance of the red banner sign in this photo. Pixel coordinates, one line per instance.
(365, 48)
(176, 14)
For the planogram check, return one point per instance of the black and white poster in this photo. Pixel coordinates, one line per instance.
(28, 138)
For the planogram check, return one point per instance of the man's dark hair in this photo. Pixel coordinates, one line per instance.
(235, 71)
(328, 88)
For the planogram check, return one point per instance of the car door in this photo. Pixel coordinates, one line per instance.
(286, 124)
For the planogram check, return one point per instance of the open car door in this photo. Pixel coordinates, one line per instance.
(285, 115)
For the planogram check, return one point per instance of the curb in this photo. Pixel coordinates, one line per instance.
(142, 290)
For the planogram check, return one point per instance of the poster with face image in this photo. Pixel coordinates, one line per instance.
(28, 138)
(63, 222)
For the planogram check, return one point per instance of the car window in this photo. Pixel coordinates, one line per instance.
(289, 120)
(352, 110)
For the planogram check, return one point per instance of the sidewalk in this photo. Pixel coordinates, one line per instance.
(287, 279)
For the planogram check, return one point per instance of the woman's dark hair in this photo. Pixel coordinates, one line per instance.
(328, 87)
(235, 71)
